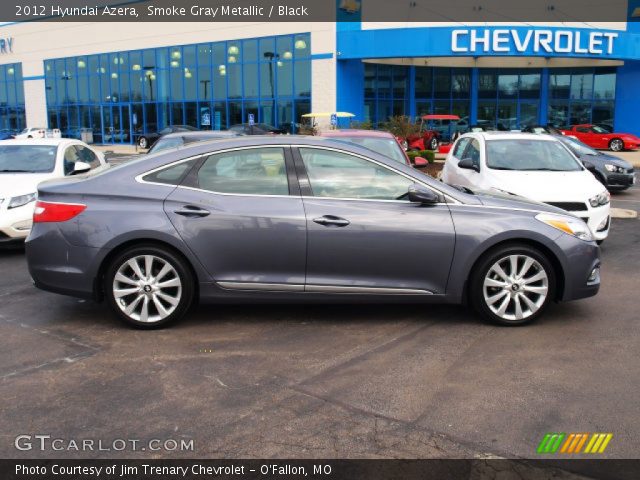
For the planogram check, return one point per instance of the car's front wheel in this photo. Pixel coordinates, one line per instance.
(149, 286)
(143, 142)
(616, 145)
(512, 285)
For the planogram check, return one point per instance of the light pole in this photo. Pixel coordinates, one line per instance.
(271, 56)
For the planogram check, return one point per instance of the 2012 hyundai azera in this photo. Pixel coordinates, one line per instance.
(288, 219)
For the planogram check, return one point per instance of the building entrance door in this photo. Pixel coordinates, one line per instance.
(116, 123)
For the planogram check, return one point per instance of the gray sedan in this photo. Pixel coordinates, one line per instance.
(291, 219)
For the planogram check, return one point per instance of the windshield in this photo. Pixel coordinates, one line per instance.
(27, 158)
(530, 155)
(384, 146)
(598, 129)
(577, 146)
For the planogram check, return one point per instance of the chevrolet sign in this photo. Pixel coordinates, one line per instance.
(497, 41)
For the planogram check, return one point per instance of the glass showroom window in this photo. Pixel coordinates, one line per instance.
(582, 96)
(508, 99)
(12, 117)
(444, 91)
(385, 92)
(121, 95)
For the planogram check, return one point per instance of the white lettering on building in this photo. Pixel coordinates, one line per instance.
(540, 41)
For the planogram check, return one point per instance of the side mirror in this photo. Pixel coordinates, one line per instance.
(420, 162)
(589, 166)
(80, 167)
(424, 196)
(468, 164)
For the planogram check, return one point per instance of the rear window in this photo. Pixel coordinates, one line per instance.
(172, 175)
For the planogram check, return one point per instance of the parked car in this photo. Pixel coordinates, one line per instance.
(180, 139)
(26, 163)
(382, 142)
(257, 129)
(6, 135)
(428, 136)
(538, 167)
(613, 172)
(255, 219)
(597, 137)
(146, 140)
(32, 132)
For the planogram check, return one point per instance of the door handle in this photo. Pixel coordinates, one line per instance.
(331, 220)
(191, 211)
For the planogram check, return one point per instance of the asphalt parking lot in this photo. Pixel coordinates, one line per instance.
(325, 381)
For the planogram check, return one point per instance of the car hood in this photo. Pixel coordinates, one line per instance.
(14, 184)
(603, 158)
(494, 198)
(543, 186)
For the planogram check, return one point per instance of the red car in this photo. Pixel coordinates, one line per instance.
(598, 137)
(383, 143)
(428, 137)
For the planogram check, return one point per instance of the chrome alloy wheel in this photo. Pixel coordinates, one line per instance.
(616, 145)
(515, 287)
(147, 288)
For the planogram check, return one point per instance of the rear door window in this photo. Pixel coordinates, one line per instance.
(253, 171)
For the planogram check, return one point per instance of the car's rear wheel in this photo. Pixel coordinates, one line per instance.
(616, 145)
(149, 286)
(512, 285)
(433, 143)
(143, 142)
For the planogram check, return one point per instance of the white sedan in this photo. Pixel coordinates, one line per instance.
(537, 167)
(26, 163)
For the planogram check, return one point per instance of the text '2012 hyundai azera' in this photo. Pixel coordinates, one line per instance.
(290, 219)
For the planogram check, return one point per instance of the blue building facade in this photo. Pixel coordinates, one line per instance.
(499, 75)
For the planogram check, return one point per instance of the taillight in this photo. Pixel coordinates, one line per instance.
(56, 212)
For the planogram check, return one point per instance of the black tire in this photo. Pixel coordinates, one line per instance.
(143, 142)
(599, 242)
(434, 144)
(180, 267)
(616, 145)
(476, 282)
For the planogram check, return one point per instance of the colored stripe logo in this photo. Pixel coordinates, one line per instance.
(572, 443)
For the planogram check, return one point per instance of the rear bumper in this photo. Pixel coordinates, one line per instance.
(56, 266)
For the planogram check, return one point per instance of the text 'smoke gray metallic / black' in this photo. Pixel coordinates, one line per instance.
(293, 219)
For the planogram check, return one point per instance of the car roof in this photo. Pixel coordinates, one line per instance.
(497, 135)
(40, 141)
(354, 132)
(202, 134)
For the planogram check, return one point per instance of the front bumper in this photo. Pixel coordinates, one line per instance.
(581, 259)
(15, 223)
(621, 180)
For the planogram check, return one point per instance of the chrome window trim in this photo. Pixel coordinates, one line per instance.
(139, 178)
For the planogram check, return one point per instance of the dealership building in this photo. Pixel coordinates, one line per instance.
(119, 80)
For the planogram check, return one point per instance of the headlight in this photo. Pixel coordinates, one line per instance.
(613, 168)
(600, 199)
(572, 226)
(22, 200)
